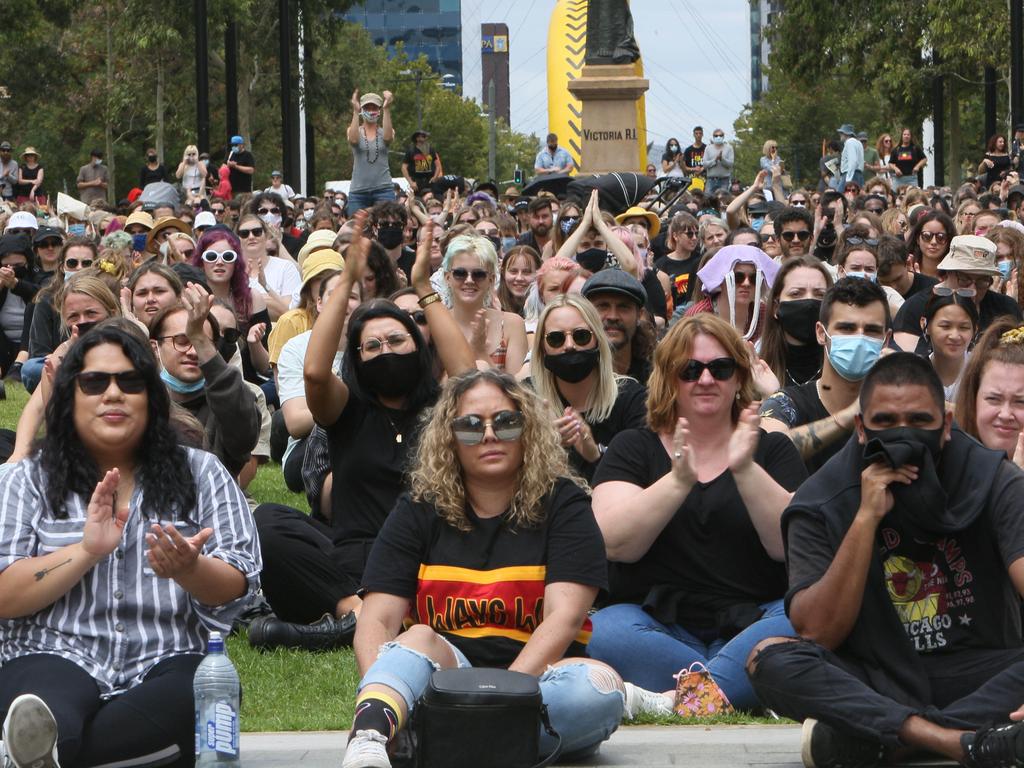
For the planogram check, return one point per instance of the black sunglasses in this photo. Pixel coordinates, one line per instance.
(870, 241)
(419, 317)
(742, 277)
(802, 235)
(265, 211)
(230, 335)
(48, 244)
(254, 232)
(98, 382)
(470, 429)
(461, 273)
(721, 369)
(580, 337)
(73, 263)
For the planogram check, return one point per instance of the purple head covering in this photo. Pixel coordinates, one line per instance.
(712, 274)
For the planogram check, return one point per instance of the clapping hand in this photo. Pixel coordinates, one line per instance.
(420, 277)
(170, 554)
(684, 462)
(104, 524)
(744, 440)
(358, 248)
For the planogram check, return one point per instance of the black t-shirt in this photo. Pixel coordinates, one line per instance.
(999, 169)
(368, 464)
(405, 261)
(149, 175)
(629, 412)
(798, 405)
(421, 166)
(993, 305)
(30, 175)
(708, 558)
(949, 594)
(483, 589)
(242, 182)
(681, 274)
(656, 303)
(692, 157)
(920, 284)
(905, 158)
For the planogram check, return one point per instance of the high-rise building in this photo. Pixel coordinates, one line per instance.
(762, 13)
(430, 27)
(494, 66)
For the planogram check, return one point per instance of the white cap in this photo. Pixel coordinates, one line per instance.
(204, 219)
(22, 220)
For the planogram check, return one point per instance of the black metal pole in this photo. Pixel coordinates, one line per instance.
(310, 137)
(939, 125)
(1016, 62)
(285, 61)
(202, 78)
(231, 77)
(990, 104)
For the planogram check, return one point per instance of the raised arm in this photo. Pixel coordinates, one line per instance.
(389, 132)
(352, 134)
(739, 203)
(587, 222)
(449, 341)
(627, 261)
(631, 517)
(326, 394)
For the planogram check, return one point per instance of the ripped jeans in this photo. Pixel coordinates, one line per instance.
(583, 715)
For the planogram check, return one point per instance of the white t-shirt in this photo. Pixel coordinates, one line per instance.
(282, 277)
(284, 191)
(290, 383)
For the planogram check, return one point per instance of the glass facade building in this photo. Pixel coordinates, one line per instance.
(429, 27)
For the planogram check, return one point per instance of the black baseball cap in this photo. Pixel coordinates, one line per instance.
(48, 233)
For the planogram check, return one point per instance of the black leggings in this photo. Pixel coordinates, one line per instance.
(970, 688)
(305, 572)
(149, 725)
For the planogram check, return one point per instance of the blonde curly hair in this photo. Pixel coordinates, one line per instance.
(437, 474)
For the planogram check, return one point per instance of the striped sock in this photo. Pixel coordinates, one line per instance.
(378, 712)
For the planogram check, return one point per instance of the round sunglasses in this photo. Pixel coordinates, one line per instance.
(580, 337)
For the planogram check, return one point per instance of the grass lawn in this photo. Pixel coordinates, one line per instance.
(295, 690)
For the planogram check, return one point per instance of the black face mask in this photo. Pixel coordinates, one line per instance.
(922, 505)
(227, 349)
(84, 328)
(592, 259)
(151, 158)
(390, 374)
(21, 271)
(799, 318)
(574, 366)
(390, 235)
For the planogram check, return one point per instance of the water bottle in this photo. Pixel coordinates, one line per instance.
(216, 689)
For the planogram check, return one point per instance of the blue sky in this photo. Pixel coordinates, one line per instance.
(696, 55)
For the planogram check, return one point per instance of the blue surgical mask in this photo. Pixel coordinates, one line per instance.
(1005, 268)
(756, 224)
(869, 276)
(718, 140)
(508, 243)
(139, 242)
(181, 387)
(852, 356)
(77, 230)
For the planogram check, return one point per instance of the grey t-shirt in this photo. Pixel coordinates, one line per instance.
(370, 168)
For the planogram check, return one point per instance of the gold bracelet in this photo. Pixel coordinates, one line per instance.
(429, 299)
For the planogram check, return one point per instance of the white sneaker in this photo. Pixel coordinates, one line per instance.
(640, 701)
(30, 734)
(367, 749)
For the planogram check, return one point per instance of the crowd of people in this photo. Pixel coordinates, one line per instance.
(758, 450)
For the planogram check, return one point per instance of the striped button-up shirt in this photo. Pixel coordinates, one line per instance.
(121, 618)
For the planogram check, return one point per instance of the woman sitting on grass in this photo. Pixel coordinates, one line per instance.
(492, 493)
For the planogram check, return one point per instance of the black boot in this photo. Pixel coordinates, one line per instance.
(268, 632)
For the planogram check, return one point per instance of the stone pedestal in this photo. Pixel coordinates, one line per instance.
(609, 136)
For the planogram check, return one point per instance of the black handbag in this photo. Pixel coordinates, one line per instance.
(469, 717)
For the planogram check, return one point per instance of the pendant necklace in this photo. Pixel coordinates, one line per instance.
(394, 428)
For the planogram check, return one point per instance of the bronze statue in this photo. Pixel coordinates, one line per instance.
(610, 33)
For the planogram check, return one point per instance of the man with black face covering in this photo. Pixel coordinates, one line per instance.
(906, 571)
(386, 224)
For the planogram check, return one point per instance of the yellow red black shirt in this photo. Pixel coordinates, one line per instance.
(483, 589)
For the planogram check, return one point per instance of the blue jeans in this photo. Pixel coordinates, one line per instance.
(581, 714)
(365, 198)
(648, 653)
(905, 181)
(715, 183)
(32, 372)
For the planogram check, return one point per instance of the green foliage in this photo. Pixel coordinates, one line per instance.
(869, 62)
(54, 57)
